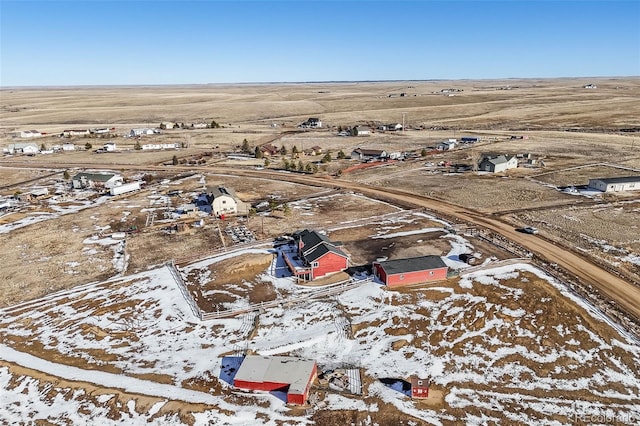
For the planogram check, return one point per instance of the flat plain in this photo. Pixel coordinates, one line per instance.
(573, 133)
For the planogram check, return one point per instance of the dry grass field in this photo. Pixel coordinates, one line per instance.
(577, 134)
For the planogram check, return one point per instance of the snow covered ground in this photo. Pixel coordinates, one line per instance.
(500, 343)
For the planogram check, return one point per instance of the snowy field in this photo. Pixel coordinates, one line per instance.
(506, 344)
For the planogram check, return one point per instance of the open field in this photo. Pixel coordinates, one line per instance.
(504, 345)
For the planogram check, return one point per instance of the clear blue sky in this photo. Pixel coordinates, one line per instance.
(192, 42)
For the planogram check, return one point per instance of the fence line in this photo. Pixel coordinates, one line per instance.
(183, 289)
(327, 291)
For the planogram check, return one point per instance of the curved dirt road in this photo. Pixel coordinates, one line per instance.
(623, 293)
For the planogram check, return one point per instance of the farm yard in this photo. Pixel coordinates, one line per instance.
(93, 317)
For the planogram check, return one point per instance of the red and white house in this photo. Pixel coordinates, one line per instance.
(394, 273)
(277, 373)
(315, 256)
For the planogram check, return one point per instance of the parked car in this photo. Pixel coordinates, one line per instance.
(529, 230)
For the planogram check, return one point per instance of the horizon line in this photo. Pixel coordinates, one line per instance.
(54, 86)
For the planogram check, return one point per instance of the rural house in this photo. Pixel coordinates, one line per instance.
(394, 273)
(361, 131)
(290, 375)
(364, 154)
(141, 132)
(28, 134)
(96, 180)
(497, 163)
(311, 123)
(616, 184)
(269, 150)
(28, 148)
(446, 146)
(75, 132)
(315, 256)
(223, 201)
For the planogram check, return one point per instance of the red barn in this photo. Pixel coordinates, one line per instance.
(316, 256)
(419, 388)
(277, 373)
(410, 271)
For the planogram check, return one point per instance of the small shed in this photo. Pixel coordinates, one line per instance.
(419, 388)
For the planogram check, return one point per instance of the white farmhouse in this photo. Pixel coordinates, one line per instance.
(617, 184)
(29, 148)
(224, 201)
(361, 131)
(96, 180)
(141, 132)
(30, 134)
(109, 146)
(68, 147)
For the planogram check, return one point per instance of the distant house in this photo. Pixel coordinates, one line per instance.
(68, 147)
(75, 132)
(393, 127)
(361, 131)
(109, 146)
(29, 134)
(167, 125)
(269, 150)
(496, 163)
(315, 150)
(160, 146)
(412, 270)
(311, 123)
(96, 180)
(199, 125)
(364, 154)
(470, 139)
(419, 388)
(590, 86)
(142, 132)
(446, 145)
(222, 201)
(315, 256)
(616, 184)
(28, 148)
(101, 131)
(277, 373)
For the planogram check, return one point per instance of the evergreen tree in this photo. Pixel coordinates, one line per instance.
(300, 166)
(308, 168)
(87, 146)
(285, 164)
(341, 155)
(137, 146)
(423, 153)
(174, 160)
(326, 158)
(65, 175)
(257, 153)
(283, 150)
(245, 146)
(267, 163)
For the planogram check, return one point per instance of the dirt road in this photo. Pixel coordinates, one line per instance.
(621, 292)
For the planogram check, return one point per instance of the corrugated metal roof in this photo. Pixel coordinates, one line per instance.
(291, 371)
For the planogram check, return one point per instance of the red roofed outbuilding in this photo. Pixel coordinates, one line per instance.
(278, 373)
(412, 270)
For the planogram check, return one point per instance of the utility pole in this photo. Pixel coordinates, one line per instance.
(403, 114)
